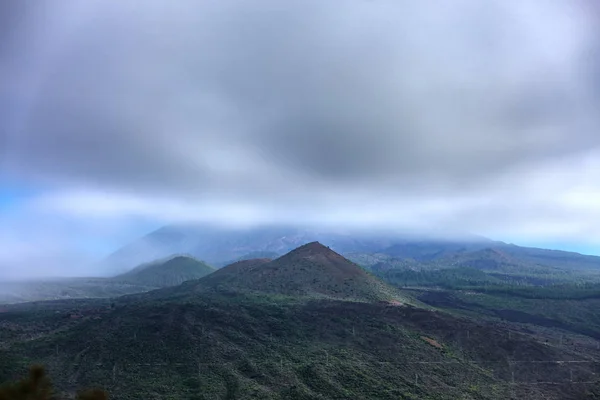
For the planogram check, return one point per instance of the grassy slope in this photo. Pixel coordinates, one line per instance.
(167, 272)
(258, 339)
(491, 286)
(171, 272)
(576, 315)
(17, 292)
(251, 256)
(257, 347)
(508, 262)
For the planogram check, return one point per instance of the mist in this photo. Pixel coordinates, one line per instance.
(371, 115)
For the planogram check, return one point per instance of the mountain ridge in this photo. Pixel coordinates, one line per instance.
(221, 246)
(311, 270)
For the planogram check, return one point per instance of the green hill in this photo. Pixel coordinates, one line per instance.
(254, 255)
(171, 272)
(311, 270)
(243, 266)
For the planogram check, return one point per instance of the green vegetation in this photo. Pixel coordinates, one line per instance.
(451, 278)
(37, 386)
(523, 284)
(487, 254)
(253, 255)
(238, 346)
(454, 267)
(569, 311)
(537, 295)
(313, 325)
(18, 292)
(146, 277)
(379, 261)
(171, 272)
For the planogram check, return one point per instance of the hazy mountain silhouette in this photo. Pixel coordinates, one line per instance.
(221, 246)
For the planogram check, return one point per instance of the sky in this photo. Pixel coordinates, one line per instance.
(469, 115)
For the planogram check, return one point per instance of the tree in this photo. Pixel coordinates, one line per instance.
(37, 386)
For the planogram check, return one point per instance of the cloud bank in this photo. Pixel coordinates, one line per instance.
(478, 116)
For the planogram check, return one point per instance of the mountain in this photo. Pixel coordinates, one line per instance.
(220, 246)
(553, 258)
(311, 270)
(426, 250)
(490, 259)
(243, 266)
(311, 325)
(379, 250)
(379, 261)
(243, 346)
(485, 253)
(252, 256)
(164, 273)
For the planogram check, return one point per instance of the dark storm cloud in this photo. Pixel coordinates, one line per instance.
(368, 93)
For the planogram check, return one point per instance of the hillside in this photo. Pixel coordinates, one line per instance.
(499, 264)
(493, 256)
(309, 270)
(67, 288)
(223, 246)
(426, 250)
(160, 273)
(485, 259)
(245, 347)
(242, 266)
(171, 272)
(254, 255)
(308, 325)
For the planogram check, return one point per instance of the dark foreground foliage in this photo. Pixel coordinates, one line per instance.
(37, 386)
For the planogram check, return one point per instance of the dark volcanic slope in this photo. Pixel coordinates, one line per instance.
(254, 255)
(310, 270)
(243, 266)
(167, 273)
(231, 335)
(238, 347)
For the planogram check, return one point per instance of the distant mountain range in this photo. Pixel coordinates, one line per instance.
(221, 246)
(175, 254)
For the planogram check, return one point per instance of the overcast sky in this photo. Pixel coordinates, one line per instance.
(118, 116)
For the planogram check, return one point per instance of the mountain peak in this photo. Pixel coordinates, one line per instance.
(312, 248)
(310, 270)
(315, 245)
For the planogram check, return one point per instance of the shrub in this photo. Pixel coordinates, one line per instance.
(37, 386)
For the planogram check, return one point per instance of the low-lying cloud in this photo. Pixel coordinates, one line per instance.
(478, 116)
